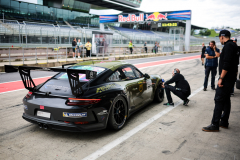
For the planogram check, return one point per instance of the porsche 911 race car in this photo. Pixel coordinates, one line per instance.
(88, 96)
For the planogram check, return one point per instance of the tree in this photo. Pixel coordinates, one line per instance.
(206, 32)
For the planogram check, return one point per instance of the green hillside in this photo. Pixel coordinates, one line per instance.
(213, 33)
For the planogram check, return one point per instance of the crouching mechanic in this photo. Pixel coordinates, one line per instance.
(181, 89)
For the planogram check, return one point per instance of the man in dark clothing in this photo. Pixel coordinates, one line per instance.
(181, 89)
(145, 46)
(211, 65)
(228, 67)
(74, 45)
(203, 53)
(235, 41)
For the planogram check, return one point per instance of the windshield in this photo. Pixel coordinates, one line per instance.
(82, 77)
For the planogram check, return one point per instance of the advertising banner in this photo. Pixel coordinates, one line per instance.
(141, 17)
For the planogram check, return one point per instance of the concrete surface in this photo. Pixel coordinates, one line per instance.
(175, 135)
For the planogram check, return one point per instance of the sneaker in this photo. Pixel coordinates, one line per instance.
(213, 88)
(232, 94)
(185, 103)
(168, 104)
(79, 57)
(211, 128)
(204, 89)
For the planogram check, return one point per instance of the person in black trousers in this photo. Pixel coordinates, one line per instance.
(228, 68)
(203, 53)
(182, 88)
(145, 46)
(212, 54)
(235, 41)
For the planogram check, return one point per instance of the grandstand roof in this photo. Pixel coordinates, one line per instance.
(106, 4)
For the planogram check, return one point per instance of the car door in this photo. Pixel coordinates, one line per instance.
(138, 86)
(145, 87)
(128, 83)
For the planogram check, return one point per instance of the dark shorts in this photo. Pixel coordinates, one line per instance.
(202, 56)
(73, 49)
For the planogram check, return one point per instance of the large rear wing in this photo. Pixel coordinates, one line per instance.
(73, 77)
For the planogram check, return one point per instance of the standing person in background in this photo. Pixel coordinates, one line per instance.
(203, 53)
(212, 54)
(88, 46)
(74, 45)
(155, 47)
(145, 46)
(79, 47)
(227, 70)
(130, 46)
(235, 41)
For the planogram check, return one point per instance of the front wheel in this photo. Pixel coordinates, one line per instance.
(159, 94)
(118, 113)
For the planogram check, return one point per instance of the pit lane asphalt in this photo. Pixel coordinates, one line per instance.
(176, 135)
(9, 77)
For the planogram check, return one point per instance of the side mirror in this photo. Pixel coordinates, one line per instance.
(146, 76)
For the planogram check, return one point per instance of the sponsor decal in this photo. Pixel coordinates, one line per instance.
(103, 112)
(156, 16)
(105, 88)
(75, 115)
(140, 86)
(25, 107)
(131, 18)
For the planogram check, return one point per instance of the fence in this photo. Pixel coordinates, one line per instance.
(29, 34)
(9, 54)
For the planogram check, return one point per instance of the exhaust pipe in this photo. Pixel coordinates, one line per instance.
(40, 125)
(45, 126)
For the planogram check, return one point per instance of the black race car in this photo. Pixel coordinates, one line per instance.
(88, 96)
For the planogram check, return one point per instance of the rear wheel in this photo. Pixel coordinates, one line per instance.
(118, 113)
(159, 94)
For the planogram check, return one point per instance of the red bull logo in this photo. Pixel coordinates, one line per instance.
(156, 16)
(131, 18)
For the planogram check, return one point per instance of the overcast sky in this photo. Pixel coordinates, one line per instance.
(205, 13)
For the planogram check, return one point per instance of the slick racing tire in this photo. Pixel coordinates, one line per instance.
(159, 94)
(118, 113)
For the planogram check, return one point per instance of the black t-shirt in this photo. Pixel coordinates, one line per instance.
(180, 82)
(74, 43)
(229, 60)
(203, 50)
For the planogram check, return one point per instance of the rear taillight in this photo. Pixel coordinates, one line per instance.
(77, 101)
(29, 95)
(86, 122)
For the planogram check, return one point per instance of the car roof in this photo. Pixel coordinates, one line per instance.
(112, 65)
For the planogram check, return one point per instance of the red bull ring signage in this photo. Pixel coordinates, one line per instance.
(141, 17)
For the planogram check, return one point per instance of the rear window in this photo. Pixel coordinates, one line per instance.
(82, 77)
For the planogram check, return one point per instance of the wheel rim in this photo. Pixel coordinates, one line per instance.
(160, 93)
(119, 112)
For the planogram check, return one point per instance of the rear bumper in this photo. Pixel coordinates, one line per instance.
(65, 126)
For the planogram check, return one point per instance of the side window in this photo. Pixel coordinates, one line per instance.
(128, 73)
(138, 74)
(114, 77)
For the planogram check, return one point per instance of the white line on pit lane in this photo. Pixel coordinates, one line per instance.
(130, 133)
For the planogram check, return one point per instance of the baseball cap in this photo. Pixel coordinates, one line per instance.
(224, 33)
